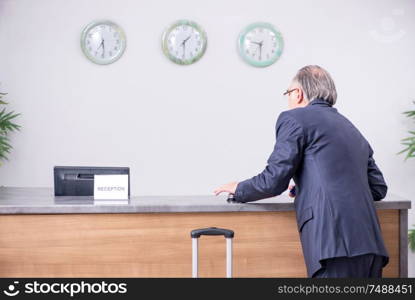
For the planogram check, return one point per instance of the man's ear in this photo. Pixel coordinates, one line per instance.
(300, 96)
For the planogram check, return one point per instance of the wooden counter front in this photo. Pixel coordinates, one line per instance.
(266, 244)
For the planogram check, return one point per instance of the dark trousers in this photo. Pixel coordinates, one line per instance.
(362, 266)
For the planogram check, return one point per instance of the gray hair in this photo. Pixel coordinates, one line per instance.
(316, 83)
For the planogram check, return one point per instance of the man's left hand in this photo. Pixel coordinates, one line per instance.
(229, 187)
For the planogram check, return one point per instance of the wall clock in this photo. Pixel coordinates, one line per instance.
(184, 42)
(103, 42)
(260, 44)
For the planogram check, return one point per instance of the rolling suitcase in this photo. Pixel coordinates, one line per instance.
(195, 234)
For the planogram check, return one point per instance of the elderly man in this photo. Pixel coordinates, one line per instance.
(336, 181)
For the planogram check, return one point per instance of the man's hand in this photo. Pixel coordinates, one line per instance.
(229, 187)
(292, 191)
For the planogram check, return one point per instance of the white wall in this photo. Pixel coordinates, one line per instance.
(186, 130)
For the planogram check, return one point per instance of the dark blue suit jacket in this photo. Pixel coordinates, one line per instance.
(336, 180)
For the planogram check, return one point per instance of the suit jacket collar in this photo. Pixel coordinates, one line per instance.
(319, 102)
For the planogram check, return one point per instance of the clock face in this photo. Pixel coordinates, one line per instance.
(184, 42)
(260, 44)
(103, 42)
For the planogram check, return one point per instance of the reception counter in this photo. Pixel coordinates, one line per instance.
(149, 236)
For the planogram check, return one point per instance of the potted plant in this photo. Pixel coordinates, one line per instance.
(409, 142)
(7, 125)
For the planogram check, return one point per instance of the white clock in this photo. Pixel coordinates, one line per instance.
(103, 42)
(184, 42)
(260, 44)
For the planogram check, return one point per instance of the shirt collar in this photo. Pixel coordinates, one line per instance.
(319, 102)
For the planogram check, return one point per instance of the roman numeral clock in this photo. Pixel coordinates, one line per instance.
(103, 42)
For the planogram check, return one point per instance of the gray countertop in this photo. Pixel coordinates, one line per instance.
(23, 200)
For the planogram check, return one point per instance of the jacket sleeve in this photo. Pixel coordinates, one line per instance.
(377, 183)
(281, 165)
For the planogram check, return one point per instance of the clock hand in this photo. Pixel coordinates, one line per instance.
(260, 47)
(185, 40)
(184, 45)
(102, 44)
(260, 50)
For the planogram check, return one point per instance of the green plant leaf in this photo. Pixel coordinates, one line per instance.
(4, 147)
(404, 150)
(7, 125)
(409, 141)
(411, 239)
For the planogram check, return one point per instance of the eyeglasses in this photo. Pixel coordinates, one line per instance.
(287, 92)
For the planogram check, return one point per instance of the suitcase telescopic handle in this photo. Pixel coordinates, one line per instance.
(196, 233)
(227, 233)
